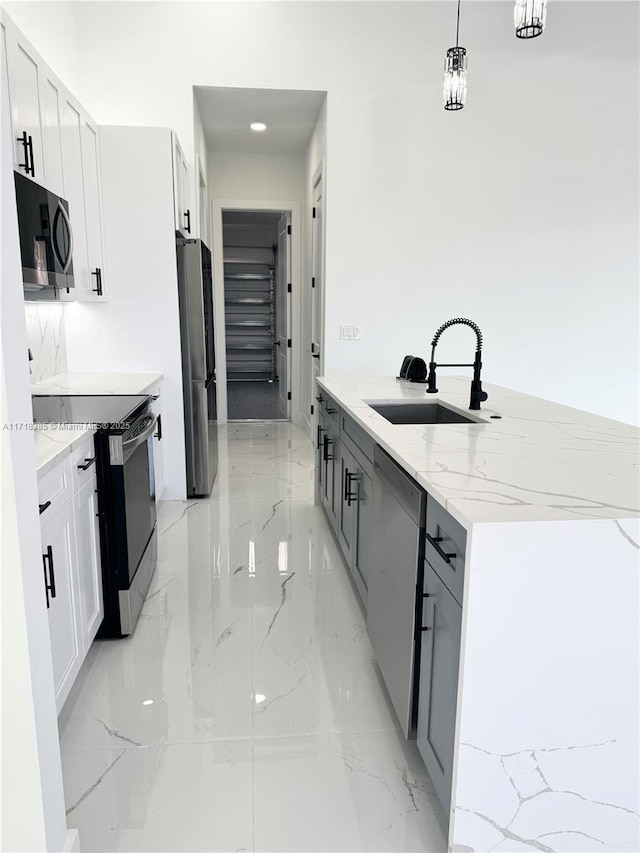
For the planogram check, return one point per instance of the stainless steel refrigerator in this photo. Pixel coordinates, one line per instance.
(195, 294)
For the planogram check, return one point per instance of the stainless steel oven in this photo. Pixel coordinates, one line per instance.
(129, 520)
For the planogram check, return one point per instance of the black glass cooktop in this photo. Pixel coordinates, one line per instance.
(101, 411)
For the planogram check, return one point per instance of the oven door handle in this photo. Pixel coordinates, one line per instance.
(140, 439)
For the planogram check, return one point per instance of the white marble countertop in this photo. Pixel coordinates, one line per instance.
(53, 444)
(96, 383)
(540, 461)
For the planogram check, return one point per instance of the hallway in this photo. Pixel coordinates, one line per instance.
(245, 712)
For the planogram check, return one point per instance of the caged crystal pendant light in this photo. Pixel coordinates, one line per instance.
(529, 17)
(455, 74)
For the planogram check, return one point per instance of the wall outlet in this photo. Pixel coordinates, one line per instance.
(349, 333)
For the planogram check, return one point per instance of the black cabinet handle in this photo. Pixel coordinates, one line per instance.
(187, 216)
(348, 494)
(327, 442)
(315, 355)
(46, 580)
(331, 411)
(27, 142)
(98, 274)
(87, 463)
(50, 581)
(30, 148)
(427, 628)
(434, 540)
(320, 398)
(158, 434)
(42, 507)
(320, 429)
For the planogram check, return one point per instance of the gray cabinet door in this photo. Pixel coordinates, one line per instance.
(329, 493)
(320, 432)
(347, 496)
(364, 530)
(438, 687)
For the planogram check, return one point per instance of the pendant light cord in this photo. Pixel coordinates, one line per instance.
(458, 24)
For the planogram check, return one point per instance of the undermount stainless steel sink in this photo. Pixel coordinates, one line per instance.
(420, 413)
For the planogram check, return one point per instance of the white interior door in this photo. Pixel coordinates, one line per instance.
(283, 311)
(316, 354)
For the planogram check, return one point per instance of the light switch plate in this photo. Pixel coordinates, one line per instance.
(349, 333)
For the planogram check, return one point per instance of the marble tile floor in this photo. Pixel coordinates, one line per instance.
(245, 713)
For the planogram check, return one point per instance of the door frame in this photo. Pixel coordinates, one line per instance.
(319, 176)
(218, 207)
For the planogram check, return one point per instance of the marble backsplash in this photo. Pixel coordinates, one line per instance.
(46, 339)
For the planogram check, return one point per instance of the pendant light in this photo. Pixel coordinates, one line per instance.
(455, 74)
(529, 17)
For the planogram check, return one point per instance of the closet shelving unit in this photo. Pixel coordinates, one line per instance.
(249, 295)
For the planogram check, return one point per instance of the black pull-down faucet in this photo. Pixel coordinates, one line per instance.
(477, 394)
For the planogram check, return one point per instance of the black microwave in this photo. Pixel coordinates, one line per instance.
(46, 240)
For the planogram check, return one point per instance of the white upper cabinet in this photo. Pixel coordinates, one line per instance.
(52, 142)
(74, 188)
(182, 209)
(24, 94)
(93, 215)
(56, 143)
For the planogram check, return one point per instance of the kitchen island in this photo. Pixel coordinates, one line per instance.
(547, 717)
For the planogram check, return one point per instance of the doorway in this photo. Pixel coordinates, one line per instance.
(257, 303)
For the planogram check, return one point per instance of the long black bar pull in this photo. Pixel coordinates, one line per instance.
(27, 142)
(50, 578)
(98, 274)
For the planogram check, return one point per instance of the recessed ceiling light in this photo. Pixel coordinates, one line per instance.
(258, 126)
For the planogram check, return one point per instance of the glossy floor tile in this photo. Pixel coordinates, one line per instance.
(246, 712)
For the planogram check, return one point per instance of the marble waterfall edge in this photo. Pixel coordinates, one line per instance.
(547, 736)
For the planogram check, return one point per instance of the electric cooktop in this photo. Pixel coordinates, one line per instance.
(106, 411)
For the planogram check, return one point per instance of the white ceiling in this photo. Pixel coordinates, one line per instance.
(290, 116)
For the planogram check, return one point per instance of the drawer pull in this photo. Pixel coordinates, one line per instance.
(348, 494)
(42, 507)
(320, 398)
(434, 540)
(87, 463)
(327, 442)
(427, 628)
(331, 411)
(50, 581)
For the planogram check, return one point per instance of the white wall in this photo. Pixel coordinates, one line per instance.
(520, 212)
(137, 330)
(256, 176)
(51, 26)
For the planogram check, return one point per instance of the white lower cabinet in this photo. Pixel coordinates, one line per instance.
(85, 511)
(61, 591)
(72, 571)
